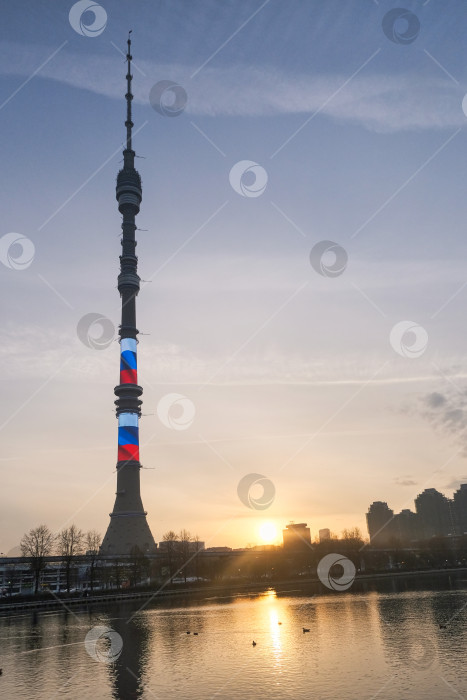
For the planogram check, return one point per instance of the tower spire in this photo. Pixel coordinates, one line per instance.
(128, 526)
(129, 95)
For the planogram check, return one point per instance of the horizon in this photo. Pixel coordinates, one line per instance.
(270, 533)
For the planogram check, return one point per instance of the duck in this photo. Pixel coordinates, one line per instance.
(253, 643)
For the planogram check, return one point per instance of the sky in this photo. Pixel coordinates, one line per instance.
(302, 255)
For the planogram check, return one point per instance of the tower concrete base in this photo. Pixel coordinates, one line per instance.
(128, 527)
(125, 532)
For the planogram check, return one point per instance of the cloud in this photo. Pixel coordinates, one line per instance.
(28, 354)
(405, 481)
(435, 400)
(378, 102)
(455, 482)
(447, 412)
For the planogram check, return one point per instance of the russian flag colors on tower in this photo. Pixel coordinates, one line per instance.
(128, 437)
(128, 367)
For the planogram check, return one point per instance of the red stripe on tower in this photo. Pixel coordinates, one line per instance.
(127, 452)
(128, 376)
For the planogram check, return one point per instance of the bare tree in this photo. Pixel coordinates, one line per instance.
(197, 549)
(92, 541)
(170, 538)
(70, 543)
(184, 540)
(351, 544)
(37, 544)
(353, 535)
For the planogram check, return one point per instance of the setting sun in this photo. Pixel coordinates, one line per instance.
(268, 532)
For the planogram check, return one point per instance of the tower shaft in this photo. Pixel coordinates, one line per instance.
(128, 527)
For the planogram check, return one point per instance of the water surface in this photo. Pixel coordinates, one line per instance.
(371, 644)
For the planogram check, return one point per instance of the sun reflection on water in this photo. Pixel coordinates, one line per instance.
(271, 615)
(276, 636)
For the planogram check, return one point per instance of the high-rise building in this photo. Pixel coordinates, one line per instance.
(460, 508)
(324, 534)
(379, 521)
(435, 513)
(296, 537)
(407, 526)
(128, 526)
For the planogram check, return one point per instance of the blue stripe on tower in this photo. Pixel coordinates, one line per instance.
(128, 360)
(128, 436)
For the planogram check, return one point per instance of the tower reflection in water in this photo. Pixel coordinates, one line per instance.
(127, 673)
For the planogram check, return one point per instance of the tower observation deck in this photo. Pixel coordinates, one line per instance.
(128, 526)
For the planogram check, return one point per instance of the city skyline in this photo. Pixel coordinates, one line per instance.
(281, 370)
(387, 527)
(435, 515)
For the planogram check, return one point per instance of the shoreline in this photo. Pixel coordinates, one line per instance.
(230, 590)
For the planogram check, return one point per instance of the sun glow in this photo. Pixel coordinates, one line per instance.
(268, 532)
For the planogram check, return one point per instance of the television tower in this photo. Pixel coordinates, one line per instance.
(128, 526)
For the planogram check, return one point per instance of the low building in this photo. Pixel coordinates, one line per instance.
(296, 537)
(174, 545)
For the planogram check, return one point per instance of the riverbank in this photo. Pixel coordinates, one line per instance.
(310, 585)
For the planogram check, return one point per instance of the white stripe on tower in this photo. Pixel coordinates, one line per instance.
(128, 419)
(128, 344)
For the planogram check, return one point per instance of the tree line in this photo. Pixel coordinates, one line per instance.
(40, 542)
(179, 553)
(181, 557)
